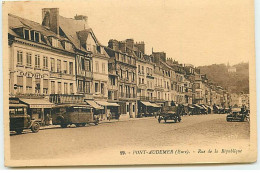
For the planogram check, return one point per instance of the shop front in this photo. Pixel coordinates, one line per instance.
(39, 109)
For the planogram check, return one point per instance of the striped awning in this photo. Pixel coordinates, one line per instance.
(94, 104)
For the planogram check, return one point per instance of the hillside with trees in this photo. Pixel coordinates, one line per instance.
(234, 82)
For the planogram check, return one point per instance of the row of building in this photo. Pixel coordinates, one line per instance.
(62, 61)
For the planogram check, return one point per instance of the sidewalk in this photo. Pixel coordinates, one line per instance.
(101, 122)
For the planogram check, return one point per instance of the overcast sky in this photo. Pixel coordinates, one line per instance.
(198, 32)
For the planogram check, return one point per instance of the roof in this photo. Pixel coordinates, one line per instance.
(76, 31)
(18, 22)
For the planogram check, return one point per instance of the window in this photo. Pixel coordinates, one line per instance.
(71, 88)
(52, 87)
(139, 80)
(37, 61)
(142, 80)
(71, 68)
(103, 68)
(121, 73)
(52, 64)
(54, 42)
(37, 86)
(102, 88)
(97, 67)
(26, 34)
(87, 65)
(45, 62)
(133, 77)
(37, 37)
(19, 84)
(87, 87)
(29, 59)
(96, 87)
(29, 85)
(127, 75)
(59, 87)
(65, 67)
(65, 88)
(142, 69)
(80, 86)
(58, 65)
(45, 86)
(19, 57)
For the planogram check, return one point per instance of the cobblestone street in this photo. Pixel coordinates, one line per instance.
(198, 130)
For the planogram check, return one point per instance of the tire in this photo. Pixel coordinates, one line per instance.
(35, 127)
(19, 131)
(63, 125)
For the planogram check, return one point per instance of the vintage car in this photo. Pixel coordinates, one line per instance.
(68, 114)
(20, 120)
(236, 115)
(169, 113)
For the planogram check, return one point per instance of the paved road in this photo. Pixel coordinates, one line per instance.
(197, 130)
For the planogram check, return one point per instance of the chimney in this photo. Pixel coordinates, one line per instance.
(141, 46)
(82, 20)
(113, 44)
(130, 43)
(50, 19)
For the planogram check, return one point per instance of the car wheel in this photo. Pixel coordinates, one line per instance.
(19, 131)
(35, 127)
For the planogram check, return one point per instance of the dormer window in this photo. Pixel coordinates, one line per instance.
(26, 34)
(68, 46)
(55, 42)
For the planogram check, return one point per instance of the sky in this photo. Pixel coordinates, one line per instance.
(198, 32)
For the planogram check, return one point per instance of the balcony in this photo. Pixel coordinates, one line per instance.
(65, 98)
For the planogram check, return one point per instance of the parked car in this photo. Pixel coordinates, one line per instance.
(236, 115)
(68, 114)
(20, 120)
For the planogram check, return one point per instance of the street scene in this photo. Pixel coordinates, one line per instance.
(74, 96)
(202, 131)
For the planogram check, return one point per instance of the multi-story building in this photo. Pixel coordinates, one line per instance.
(77, 32)
(124, 63)
(41, 63)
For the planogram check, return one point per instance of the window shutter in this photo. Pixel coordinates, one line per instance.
(29, 82)
(20, 80)
(45, 83)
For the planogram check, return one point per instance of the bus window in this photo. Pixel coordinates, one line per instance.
(11, 111)
(20, 110)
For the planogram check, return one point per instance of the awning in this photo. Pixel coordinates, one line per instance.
(38, 103)
(191, 107)
(94, 104)
(198, 106)
(105, 103)
(146, 103)
(17, 105)
(155, 105)
(204, 106)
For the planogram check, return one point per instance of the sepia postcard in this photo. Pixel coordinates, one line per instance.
(112, 82)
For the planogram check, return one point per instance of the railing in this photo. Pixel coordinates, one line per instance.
(64, 98)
